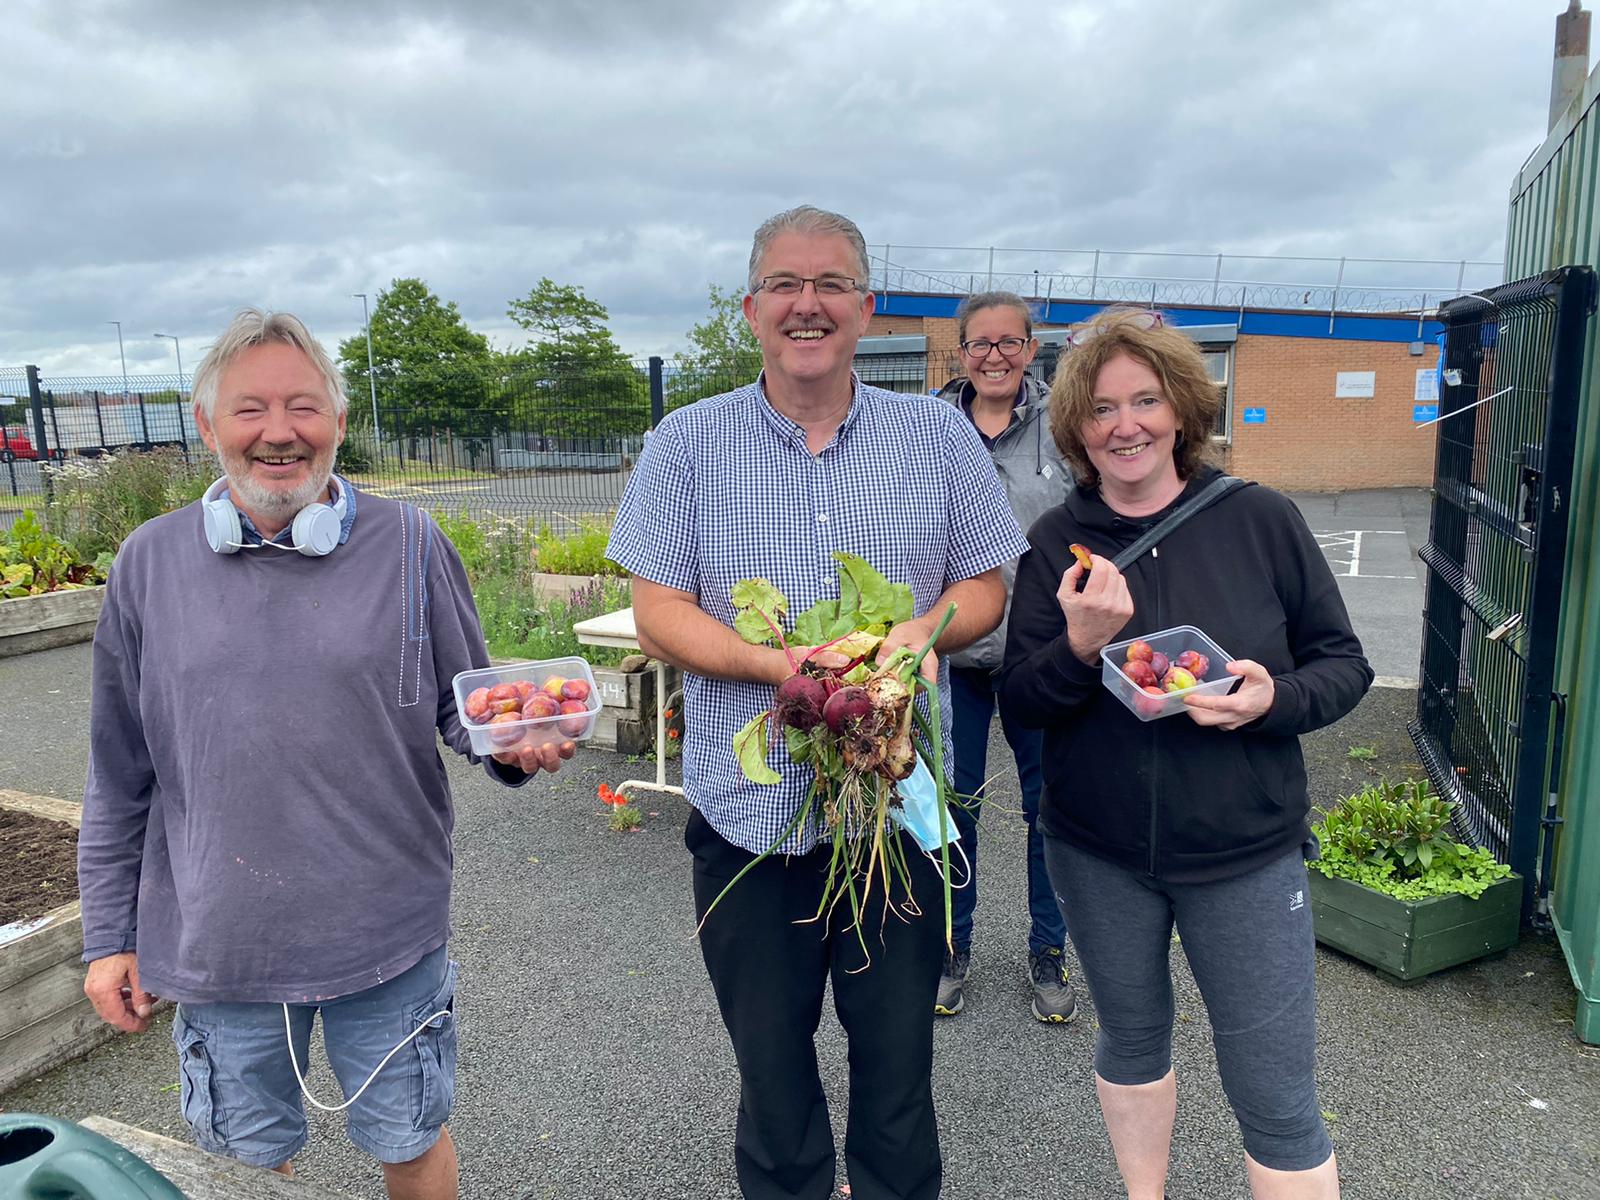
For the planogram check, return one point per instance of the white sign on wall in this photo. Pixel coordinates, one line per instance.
(1427, 386)
(1355, 385)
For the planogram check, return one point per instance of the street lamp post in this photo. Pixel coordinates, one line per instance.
(173, 339)
(123, 356)
(372, 379)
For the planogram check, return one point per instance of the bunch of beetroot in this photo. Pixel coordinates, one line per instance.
(855, 724)
(871, 721)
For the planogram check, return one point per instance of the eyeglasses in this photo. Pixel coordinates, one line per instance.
(1148, 319)
(1008, 346)
(793, 285)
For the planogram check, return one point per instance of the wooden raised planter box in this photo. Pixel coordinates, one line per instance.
(627, 720)
(45, 1019)
(52, 619)
(1408, 939)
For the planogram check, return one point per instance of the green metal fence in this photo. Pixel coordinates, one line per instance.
(1554, 220)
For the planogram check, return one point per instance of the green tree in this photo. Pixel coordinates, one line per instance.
(723, 351)
(434, 374)
(571, 379)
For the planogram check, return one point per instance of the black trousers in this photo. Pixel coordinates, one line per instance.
(769, 974)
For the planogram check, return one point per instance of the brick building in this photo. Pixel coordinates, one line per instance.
(1309, 404)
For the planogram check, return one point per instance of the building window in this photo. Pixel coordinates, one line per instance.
(1219, 365)
(895, 372)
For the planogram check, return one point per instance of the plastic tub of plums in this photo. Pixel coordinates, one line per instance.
(1153, 675)
(527, 702)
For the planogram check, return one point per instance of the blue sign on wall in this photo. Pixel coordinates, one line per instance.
(1255, 416)
(1424, 412)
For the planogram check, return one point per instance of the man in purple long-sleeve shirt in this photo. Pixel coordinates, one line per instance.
(266, 824)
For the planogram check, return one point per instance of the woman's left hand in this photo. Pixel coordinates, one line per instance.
(1252, 699)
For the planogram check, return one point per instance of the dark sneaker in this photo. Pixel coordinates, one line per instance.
(950, 999)
(1053, 1001)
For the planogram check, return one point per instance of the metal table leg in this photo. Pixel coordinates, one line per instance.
(660, 783)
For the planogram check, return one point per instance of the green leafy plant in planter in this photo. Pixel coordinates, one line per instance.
(1395, 890)
(34, 561)
(581, 552)
(1395, 839)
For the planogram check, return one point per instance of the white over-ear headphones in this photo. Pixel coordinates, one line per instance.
(315, 530)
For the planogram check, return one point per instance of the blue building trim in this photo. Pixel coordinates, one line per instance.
(1347, 327)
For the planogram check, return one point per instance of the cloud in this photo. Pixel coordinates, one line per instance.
(172, 160)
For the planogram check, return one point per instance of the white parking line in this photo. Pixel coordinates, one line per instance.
(1342, 549)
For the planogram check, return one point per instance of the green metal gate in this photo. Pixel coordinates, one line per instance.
(1510, 376)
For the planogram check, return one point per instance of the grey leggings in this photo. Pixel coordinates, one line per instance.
(1249, 943)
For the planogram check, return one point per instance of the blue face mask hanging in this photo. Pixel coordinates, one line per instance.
(919, 811)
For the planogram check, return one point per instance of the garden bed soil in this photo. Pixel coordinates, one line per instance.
(41, 865)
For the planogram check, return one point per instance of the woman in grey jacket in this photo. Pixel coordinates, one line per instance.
(1010, 411)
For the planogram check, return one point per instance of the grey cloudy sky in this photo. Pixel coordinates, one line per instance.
(172, 160)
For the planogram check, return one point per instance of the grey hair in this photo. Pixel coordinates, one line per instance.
(976, 303)
(807, 219)
(254, 327)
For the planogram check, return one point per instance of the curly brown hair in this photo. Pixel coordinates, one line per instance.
(1177, 363)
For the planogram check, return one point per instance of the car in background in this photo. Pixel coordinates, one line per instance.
(14, 444)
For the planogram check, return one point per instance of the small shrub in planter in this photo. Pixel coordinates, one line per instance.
(1394, 889)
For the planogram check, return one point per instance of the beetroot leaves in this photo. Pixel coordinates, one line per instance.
(855, 726)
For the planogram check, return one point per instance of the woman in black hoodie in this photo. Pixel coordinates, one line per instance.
(1199, 820)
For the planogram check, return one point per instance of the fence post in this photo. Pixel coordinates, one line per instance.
(1216, 280)
(1333, 306)
(144, 420)
(36, 402)
(658, 395)
(100, 420)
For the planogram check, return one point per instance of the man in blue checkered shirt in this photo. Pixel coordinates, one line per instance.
(767, 481)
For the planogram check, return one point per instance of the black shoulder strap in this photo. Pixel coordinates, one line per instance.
(1205, 498)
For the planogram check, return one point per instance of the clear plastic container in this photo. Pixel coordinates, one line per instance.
(490, 736)
(1213, 681)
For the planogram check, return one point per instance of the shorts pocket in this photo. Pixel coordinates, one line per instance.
(197, 1091)
(436, 1054)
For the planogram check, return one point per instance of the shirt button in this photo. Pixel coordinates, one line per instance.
(822, 518)
(827, 581)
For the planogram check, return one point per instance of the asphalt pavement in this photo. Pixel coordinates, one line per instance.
(594, 1064)
(1371, 539)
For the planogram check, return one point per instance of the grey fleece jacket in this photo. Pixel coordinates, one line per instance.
(1035, 478)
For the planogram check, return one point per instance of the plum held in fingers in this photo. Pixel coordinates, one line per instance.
(1081, 553)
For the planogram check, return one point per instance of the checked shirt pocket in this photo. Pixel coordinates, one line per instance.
(436, 1053)
(197, 1094)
